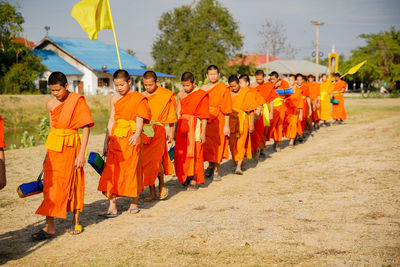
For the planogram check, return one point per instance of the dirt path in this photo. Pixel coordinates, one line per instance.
(334, 200)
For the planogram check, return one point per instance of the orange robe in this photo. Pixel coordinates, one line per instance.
(2, 142)
(240, 139)
(122, 175)
(189, 158)
(315, 92)
(276, 128)
(338, 110)
(326, 89)
(258, 138)
(163, 107)
(63, 184)
(305, 92)
(293, 104)
(216, 146)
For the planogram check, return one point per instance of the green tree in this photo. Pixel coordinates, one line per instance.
(195, 36)
(382, 52)
(10, 26)
(19, 79)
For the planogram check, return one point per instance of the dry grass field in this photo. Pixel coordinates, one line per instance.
(332, 201)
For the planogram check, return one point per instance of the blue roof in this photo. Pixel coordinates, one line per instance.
(138, 72)
(95, 53)
(56, 63)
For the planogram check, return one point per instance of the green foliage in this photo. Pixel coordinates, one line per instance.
(43, 129)
(19, 79)
(195, 36)
(10, 26)
(382, 52)
(27, 140)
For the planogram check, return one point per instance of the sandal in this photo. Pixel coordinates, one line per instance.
(108, 214)
(42, 235)
(133, 211)
(76, 229)
(165, 194)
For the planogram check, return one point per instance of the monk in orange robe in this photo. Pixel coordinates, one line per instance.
(326, 91)
(241, 122)
(193, 112)
(276, 127)
(3, 179)
(259, 136)
(122, 175)
(63, 180)
(155, 158)
(315, 98)
(306, 109)
(338, 110)
(294, 110)
(217, 140)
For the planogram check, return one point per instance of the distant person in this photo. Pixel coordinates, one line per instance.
(191, 132)
(276, 127)
(63, 179)
(338, 110)
(383, 90)
(217, 142)
(326, 90)
(241, 121)
(156, 161)
(3, 179)
(122, 175)
(259, 136)
(315, 98)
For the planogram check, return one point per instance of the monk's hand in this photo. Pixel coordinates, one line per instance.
(226, 130)
(134, 139)
(300, 117)
(203, 139)
(80, 160)
(170, 137)
(271, 116)
(251, 128)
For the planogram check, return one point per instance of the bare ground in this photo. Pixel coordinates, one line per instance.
(334, 200)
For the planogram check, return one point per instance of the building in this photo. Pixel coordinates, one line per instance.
(287, 67)
(88, 65)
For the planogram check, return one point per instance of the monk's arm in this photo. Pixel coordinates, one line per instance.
(80, 159)
(203, 130)
(110, 125)
(171, 132)
(227, 130)
(3, 179)
(251, 127)
(134, 139)
(309, 106)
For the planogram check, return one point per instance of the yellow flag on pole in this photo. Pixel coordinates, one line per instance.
(354, 69)
(93, 16)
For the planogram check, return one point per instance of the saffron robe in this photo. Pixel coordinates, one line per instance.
(276, 128)
(293, 104)
(163, 111)
(240, 139)
(338, 110)
(63, 183)
(189, 160)
(2, 142)
(216, 146)
(315, 92)
(122, 175)
(326, 89)
(258, 137)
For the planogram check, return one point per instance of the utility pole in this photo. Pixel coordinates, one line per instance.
(317, 24)
(47, 28)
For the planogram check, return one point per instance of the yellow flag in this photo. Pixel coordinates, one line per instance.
(354, 69)
(93, 16)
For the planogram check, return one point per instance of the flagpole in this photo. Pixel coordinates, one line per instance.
(115, 35)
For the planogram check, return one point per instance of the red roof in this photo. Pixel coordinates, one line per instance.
(22, 40)
(256, 59)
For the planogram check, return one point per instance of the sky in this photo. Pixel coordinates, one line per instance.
(136, 22)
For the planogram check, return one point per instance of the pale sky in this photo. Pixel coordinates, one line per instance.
(136, 21)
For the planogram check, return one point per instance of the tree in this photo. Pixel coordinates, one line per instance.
(131, 52)
(10, 26)
(273, 35)
(382, 52)
(195, 36)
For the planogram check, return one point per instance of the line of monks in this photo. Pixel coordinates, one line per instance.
(205, 124)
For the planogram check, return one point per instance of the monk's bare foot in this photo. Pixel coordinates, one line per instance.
(150, 199)
(216, 177)
(192, 186)
(239, 172)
